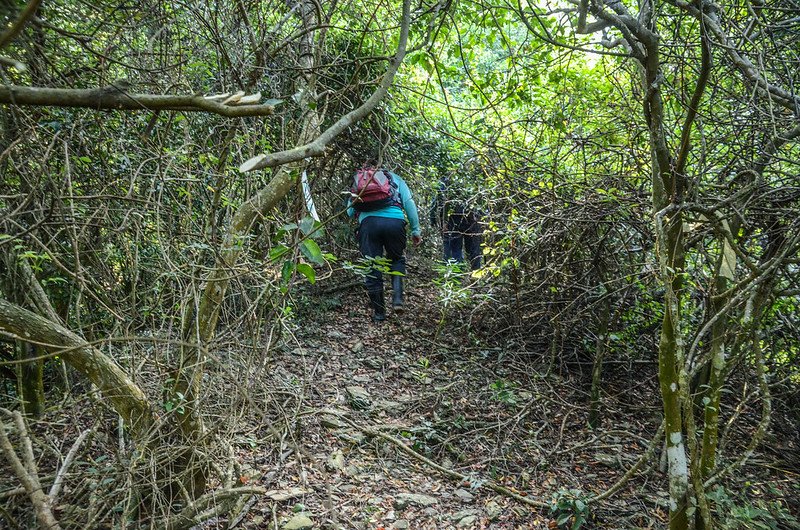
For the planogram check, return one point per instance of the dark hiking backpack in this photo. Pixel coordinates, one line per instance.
(374, 189)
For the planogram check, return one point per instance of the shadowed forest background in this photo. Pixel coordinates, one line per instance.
(183, 345)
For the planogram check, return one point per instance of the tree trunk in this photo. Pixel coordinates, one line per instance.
(126, 398)
(713, 395)
(667, 198)
(20, 285)
(29, 376)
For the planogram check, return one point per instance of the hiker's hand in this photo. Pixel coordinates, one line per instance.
(417, 240)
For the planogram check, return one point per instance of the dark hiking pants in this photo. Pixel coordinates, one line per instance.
(463, 232)
(382, 236)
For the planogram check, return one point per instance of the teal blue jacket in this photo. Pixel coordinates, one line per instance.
(394, 212)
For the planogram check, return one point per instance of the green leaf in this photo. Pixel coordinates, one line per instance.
(310, 227)
(311, 250)
(286, 270)
(306, 270)
(426, 64)
(277, 251)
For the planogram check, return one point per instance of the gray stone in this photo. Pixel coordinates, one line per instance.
(355, 438)
(365, 378)
(357, 347)
(332, 333)
(403, 500)
(358, 397)
(336, 461)
(464, 496)
(607, 460)
(300, 521)
(287, 494)
(400, 524)
(493, 510)
(467, 521)
(390, 406)
(331, 422)
(463, 513)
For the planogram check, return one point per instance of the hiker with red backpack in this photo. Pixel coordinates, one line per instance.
(381, 201)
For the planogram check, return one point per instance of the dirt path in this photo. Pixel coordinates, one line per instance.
(465, 406)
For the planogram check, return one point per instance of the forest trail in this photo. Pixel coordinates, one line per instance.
(468, 408)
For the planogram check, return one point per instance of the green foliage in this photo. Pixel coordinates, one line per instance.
(504, 392)
(570, 508)
(300, 236)
(450, 286)
(738, 511)
(173, 401)
(420, 372)
(366, 265)
(36, 260)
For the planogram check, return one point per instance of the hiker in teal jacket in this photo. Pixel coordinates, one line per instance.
(383, 231)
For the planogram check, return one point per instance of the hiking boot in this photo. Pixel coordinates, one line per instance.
(378, 305)
(397, 293)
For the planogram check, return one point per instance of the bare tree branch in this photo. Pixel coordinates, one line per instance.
(115, 98)
(317, 146)
(25, 470)
(55, 489)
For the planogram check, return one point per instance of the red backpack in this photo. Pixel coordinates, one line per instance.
(374, 189)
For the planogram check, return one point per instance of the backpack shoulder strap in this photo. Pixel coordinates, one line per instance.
(396, 198)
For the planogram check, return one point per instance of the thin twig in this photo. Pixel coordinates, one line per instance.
(497, 488)
(55, 489)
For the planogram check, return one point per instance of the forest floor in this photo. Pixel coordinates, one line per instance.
(485, 417)
(428, 422)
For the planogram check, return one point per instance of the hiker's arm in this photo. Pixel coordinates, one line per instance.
(410, 208)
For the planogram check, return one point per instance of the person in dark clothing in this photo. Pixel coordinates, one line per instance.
(459, 223)
(383, 232)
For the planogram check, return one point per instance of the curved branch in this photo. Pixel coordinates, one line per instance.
(783, 97)
(115, 98)
(691, 114)
(772, 148)
(317, 146)
(128, 399)
(23, 18)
